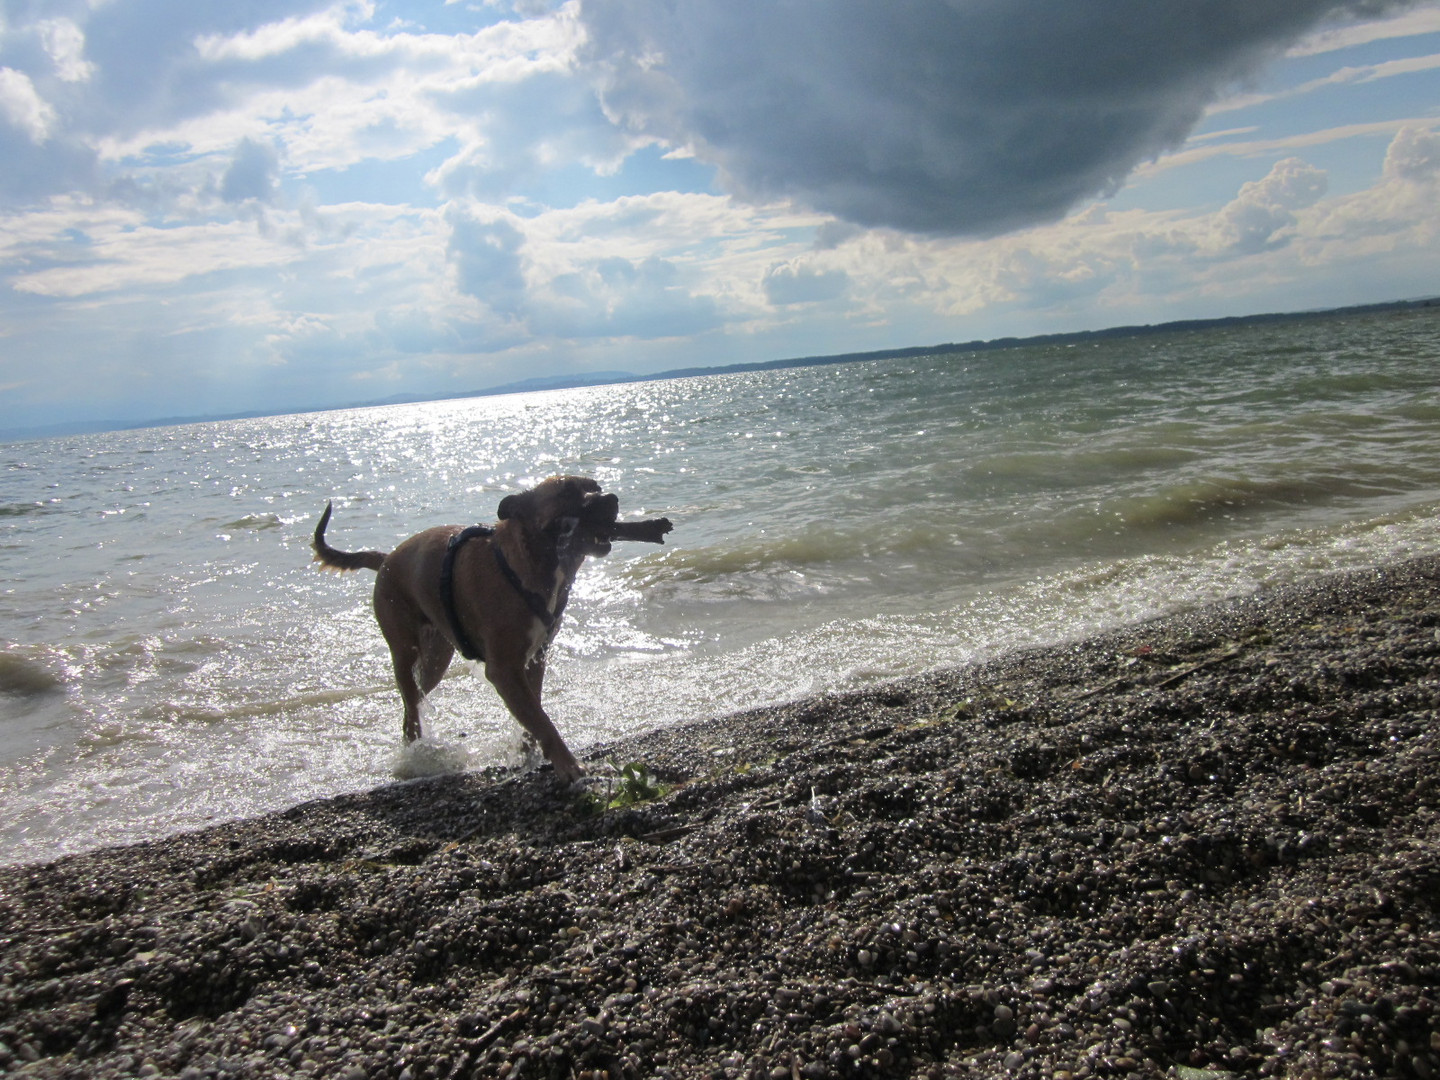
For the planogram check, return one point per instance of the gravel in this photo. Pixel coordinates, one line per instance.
(1204, 846)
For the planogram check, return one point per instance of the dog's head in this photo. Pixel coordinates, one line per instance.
(570, 510)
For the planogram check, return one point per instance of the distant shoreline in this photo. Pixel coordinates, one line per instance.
(614, 378)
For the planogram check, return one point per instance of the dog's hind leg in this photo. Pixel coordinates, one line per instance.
(406, 661)
(435, 656)
(419, 667)
(420, 661)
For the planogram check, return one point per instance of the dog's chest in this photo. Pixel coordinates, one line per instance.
(542, 634)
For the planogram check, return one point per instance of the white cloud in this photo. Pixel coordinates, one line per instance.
(22, 106)
(630, 270)
(616, 297)
(64, 41)
(1333, 39)
(251, 174)
(1363, 73)
(332, 93)
(487, 260)
(1413, 155)
(1104, 267)
(140, 257)
(1260, 215)
(801, 282)
(1204, 149)
(328, 27)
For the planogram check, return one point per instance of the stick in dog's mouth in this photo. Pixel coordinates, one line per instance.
(649, 531)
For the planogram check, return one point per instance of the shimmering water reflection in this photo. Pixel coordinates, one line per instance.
(168, 656)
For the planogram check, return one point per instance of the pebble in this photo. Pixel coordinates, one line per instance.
(1038, 863)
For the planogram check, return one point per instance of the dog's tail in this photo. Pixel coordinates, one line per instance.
(331, 559)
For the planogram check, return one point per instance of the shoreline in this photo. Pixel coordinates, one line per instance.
(1209, 842)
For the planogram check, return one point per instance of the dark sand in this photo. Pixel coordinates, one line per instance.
(1206, 845)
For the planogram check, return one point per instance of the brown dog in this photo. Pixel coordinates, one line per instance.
(494, 593)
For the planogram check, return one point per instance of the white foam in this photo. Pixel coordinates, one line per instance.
(430, 756)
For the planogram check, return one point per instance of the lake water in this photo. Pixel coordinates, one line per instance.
(169, 657)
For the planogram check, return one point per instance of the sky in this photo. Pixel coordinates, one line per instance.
(276, 205)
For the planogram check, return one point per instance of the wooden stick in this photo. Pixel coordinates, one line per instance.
(650, 531)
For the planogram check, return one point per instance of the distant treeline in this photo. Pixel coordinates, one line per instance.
(607, 378)
(1074, 337)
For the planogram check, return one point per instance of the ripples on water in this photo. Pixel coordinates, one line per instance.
(168, 657)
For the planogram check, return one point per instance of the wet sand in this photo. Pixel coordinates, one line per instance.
(1204, 845)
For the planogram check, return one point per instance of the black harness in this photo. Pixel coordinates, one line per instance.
(533, 600)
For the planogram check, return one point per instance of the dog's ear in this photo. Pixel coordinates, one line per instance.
(509, 507)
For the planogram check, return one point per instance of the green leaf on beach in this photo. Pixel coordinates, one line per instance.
(637, 784)
(633, 783)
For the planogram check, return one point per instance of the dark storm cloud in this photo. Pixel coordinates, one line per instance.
(935, 116)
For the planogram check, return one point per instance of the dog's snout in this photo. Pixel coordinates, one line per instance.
(601, 508)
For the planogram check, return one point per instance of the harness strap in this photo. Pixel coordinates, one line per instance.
(533, 600)
(468, 649)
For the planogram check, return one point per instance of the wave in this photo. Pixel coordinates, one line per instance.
(207, 714)
(29, 672)
(815, 545)
(255, 521)
(1199, 501)
(28, 509)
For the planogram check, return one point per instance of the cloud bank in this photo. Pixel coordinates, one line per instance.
(950, 117)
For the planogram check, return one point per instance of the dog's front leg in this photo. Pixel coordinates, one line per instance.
(535, 673)
(514, 685)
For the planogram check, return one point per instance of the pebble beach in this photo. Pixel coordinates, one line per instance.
(1204, 846)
